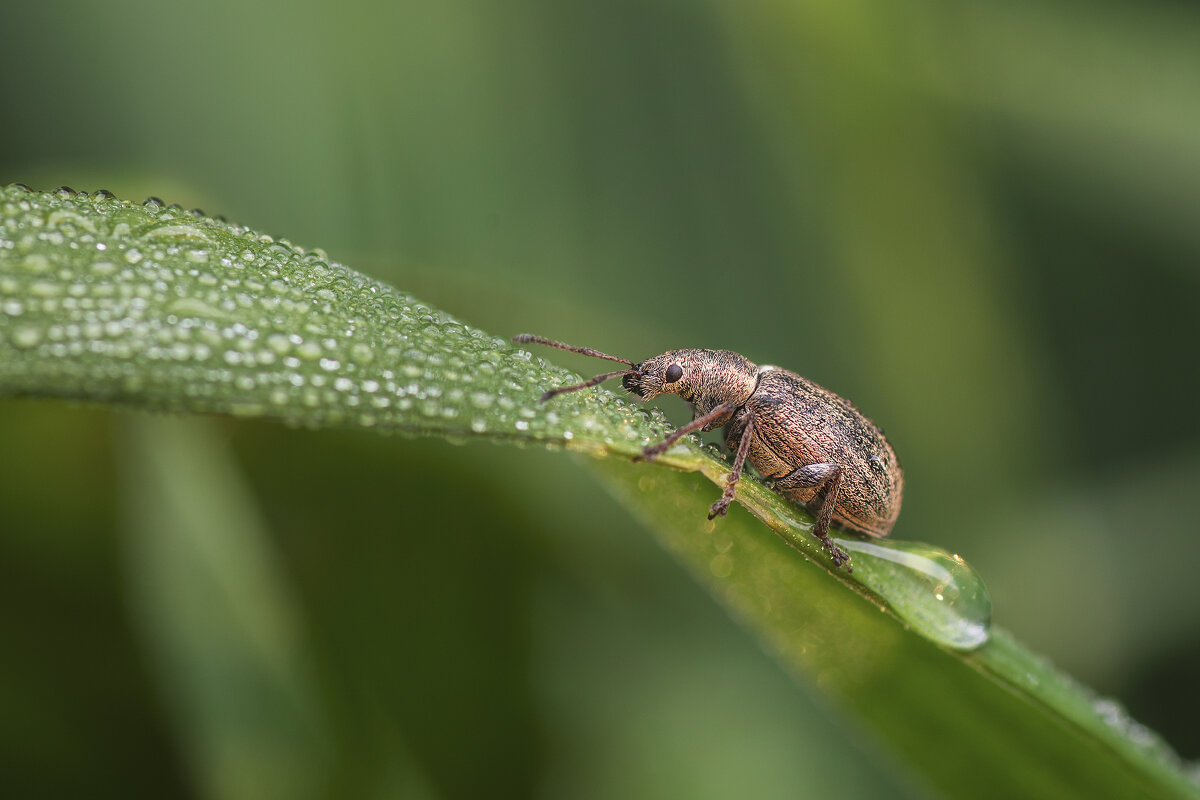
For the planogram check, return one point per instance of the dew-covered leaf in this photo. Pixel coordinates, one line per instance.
(157, 307)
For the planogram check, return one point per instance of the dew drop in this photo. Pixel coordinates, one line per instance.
(309, 350)
(279, 343)
(937, 593)
(44, 289)
(36, 262)
(25, 336)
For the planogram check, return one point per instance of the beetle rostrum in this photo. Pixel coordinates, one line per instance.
(813, 446)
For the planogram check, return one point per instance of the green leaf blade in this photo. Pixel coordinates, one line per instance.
(996, 722)
(156, 307)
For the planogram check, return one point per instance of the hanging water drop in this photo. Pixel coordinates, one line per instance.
(937, 593)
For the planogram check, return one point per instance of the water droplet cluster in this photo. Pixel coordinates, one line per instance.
(149, 305)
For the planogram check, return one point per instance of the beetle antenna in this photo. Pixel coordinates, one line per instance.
(529, 338)
(587, 384)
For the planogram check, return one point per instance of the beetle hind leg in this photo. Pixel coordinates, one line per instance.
(828, 477)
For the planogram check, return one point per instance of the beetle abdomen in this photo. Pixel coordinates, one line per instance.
(798, 422)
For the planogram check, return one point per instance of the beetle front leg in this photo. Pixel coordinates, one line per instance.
(720, 507)
(828, 477)
(652, 451)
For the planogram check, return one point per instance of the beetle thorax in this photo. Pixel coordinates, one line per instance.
(723, 376)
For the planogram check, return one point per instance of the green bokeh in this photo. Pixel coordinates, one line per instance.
(977, 222)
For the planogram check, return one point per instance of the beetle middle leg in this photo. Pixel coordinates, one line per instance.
(828, 477)
(739, 461)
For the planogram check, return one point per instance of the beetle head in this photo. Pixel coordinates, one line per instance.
(674, 372)
(704, 378)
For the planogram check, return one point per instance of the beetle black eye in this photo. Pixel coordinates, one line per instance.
(674, 373)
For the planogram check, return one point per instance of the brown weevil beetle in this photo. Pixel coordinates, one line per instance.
(812, 445)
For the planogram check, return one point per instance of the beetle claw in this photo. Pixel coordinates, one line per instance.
(838, 555)
(650, 453)
(718, 509)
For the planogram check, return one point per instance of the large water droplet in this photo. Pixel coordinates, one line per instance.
(937, 593)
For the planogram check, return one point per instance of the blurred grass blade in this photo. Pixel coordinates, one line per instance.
(153, 307)
(218, 617)
(223, 627)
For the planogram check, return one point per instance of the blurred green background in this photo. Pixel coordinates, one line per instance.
(979, 221)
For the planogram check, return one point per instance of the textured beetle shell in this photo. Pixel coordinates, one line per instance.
(796, 423)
